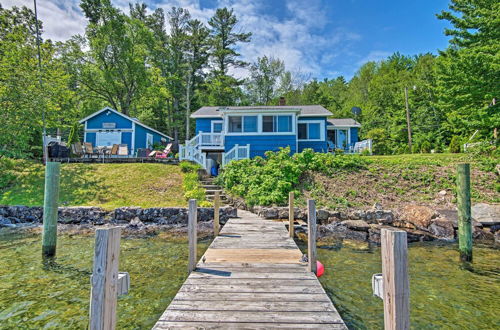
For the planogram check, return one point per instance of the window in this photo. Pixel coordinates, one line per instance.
(310, 131)
(235, 124)
(281, 124)
(149, 140)
(245, 124)
(216, 126)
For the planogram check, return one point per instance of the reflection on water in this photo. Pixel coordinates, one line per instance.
(55, 293)
(444, 293)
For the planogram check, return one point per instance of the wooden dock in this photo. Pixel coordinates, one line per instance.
(251, 277)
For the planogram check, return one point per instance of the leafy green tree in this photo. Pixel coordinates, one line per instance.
(264, 81)
(469, 70)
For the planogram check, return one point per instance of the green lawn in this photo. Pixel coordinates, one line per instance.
(105, 185)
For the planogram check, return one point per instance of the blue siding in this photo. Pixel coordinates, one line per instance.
(259, 144)
(318, 146)
(354, 135)
(204, 124)
(97, 121)
(90, 137)
(140, 136)
(127, 139)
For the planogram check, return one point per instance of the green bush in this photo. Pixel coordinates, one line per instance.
(425, 147)
(455, 145)
(187, 167)
(7, 171)
(267, 181)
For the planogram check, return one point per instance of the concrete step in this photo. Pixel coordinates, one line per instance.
(212, 192)
(211, 197)
(212, 187)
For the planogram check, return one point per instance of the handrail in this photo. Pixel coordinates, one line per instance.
(363, 145)
(236, 153)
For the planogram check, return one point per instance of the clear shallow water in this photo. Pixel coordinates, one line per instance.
(443, 294)
(56, 295)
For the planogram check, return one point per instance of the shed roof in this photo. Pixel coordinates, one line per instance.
(305, 110)
(134, 120)
(343, 122)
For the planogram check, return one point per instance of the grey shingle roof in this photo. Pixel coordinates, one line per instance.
(343, 122)
(305, 110)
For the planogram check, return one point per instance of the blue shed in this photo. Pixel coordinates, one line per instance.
(108, 126)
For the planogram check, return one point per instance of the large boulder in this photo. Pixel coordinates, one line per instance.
(486, 214)
(442, 228)
(358, 225)
(420, 216)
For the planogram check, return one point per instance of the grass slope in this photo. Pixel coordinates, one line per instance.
(105, 185)
(403, 179)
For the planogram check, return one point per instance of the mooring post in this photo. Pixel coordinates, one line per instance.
(311, 235)
(105, 282)
(396, 285)
(192, 217)
(464, 212)
(51, 197)
(291, 214)
(216, 213)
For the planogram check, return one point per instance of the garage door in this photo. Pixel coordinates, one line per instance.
(107, 139)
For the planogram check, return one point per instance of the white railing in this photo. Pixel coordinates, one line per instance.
(211, 139)
(236, 153)
(193, 154)
(363, 145)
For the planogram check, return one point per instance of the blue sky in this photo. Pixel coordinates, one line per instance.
(318, 38)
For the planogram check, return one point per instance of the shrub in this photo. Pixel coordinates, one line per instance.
(455, 144)
(187, 167)
(267, 181)
(191, 184)
(425, 147)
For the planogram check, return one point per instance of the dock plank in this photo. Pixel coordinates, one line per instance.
(251, 277)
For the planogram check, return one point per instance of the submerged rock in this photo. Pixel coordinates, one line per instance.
(486, 214)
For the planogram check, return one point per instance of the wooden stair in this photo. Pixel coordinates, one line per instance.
(211, 189)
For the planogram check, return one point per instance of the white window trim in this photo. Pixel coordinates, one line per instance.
(216, 122)
(152, 139)
(259, 124)
(321, 128)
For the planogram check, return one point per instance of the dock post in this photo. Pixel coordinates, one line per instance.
(105, 282)
(395, 277)
(464, 212)
(311, 235)
(216, 213)
(50, 203)
(192, 217)
(291, 214)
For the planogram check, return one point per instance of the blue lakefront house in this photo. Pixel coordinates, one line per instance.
(229, 133)
(107, 127)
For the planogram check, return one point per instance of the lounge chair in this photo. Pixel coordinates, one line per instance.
(123, 150)
(77, 149)
(88, 149)
(162, 154)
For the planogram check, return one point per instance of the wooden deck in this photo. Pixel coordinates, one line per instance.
(116, 160)
(251, 277)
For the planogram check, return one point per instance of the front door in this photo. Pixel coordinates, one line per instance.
(342, 139)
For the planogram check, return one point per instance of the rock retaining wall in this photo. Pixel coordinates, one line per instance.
(11, 216)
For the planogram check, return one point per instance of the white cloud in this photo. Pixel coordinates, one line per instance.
(300, 37)
(374, 56)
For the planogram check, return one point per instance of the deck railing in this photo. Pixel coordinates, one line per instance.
(363, 145)
(236, 153)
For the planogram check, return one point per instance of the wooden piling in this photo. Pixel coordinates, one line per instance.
(311, 235)
(50, 203)
(104, 290)
(192, 217)
(291, 214)
(395, 277)
(216, 213)
(464, 212)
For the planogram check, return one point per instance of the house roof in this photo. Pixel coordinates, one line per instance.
(134, 120)
(343, 122)
(305, 110)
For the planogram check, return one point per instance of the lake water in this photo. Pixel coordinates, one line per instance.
(56, 295)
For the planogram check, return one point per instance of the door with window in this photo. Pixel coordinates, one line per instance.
(149, 141)
(342, 142)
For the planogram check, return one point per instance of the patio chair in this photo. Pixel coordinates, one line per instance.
(77, 149)
(123, 150)
(114, 150)
(164, 153)
(331, 146)
(88, 149)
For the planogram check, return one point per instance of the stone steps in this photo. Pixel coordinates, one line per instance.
(211, 189)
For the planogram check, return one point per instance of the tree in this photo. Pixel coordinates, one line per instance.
(469, 70)
(265, 76)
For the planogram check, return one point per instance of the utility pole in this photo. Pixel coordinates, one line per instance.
(408, 119)
(44, 132)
